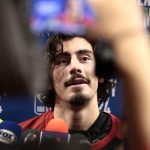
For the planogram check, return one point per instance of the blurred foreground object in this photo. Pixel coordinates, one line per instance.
(19, 59)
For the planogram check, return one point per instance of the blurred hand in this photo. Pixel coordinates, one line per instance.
(115, 17)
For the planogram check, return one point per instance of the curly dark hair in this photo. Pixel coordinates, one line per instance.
(52, 49)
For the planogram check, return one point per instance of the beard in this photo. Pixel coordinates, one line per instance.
(79, 100)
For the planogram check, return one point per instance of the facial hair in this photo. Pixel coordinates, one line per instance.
(79, 100)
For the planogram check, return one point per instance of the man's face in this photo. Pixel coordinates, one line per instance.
(73, 73)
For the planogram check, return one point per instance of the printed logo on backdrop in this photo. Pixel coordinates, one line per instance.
(105, 106)
(146, 6)
(39, 108)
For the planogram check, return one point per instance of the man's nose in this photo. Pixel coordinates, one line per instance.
(75, 66)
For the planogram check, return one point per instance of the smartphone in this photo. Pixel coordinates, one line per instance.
(64, 16)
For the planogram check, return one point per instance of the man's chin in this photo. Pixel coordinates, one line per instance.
(79, 100)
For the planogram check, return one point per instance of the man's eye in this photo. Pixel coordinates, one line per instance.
(62, 62)
(84, 59)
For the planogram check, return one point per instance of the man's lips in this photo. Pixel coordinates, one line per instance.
(76, 81)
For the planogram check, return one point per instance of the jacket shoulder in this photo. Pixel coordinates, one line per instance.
(38, 122)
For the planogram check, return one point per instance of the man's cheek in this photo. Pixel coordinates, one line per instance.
(91, 71)
(59, 76)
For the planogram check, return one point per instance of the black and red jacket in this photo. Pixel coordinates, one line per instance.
(104, 134)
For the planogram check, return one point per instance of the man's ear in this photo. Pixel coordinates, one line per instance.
(100, 80)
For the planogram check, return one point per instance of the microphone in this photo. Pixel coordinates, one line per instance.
(10, 135)
(55, 135)
(30, 140)
(58, 129)
(57, 125)
(79, 142)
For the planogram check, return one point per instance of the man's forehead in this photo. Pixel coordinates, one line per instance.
(76, 44)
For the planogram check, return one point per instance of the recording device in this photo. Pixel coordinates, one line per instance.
(64, 16)
(39, 140)
(55, 135)
(43, 140)
(10, 135)
(54, 138)
(30, 140)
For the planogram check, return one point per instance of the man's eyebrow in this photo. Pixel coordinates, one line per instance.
(84, 51)
(62, 54)
(81, 51)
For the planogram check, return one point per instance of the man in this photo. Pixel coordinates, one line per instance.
(75, 92)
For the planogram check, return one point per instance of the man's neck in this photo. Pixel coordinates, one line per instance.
(77, 117)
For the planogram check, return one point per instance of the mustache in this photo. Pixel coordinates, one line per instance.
(74, 76)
